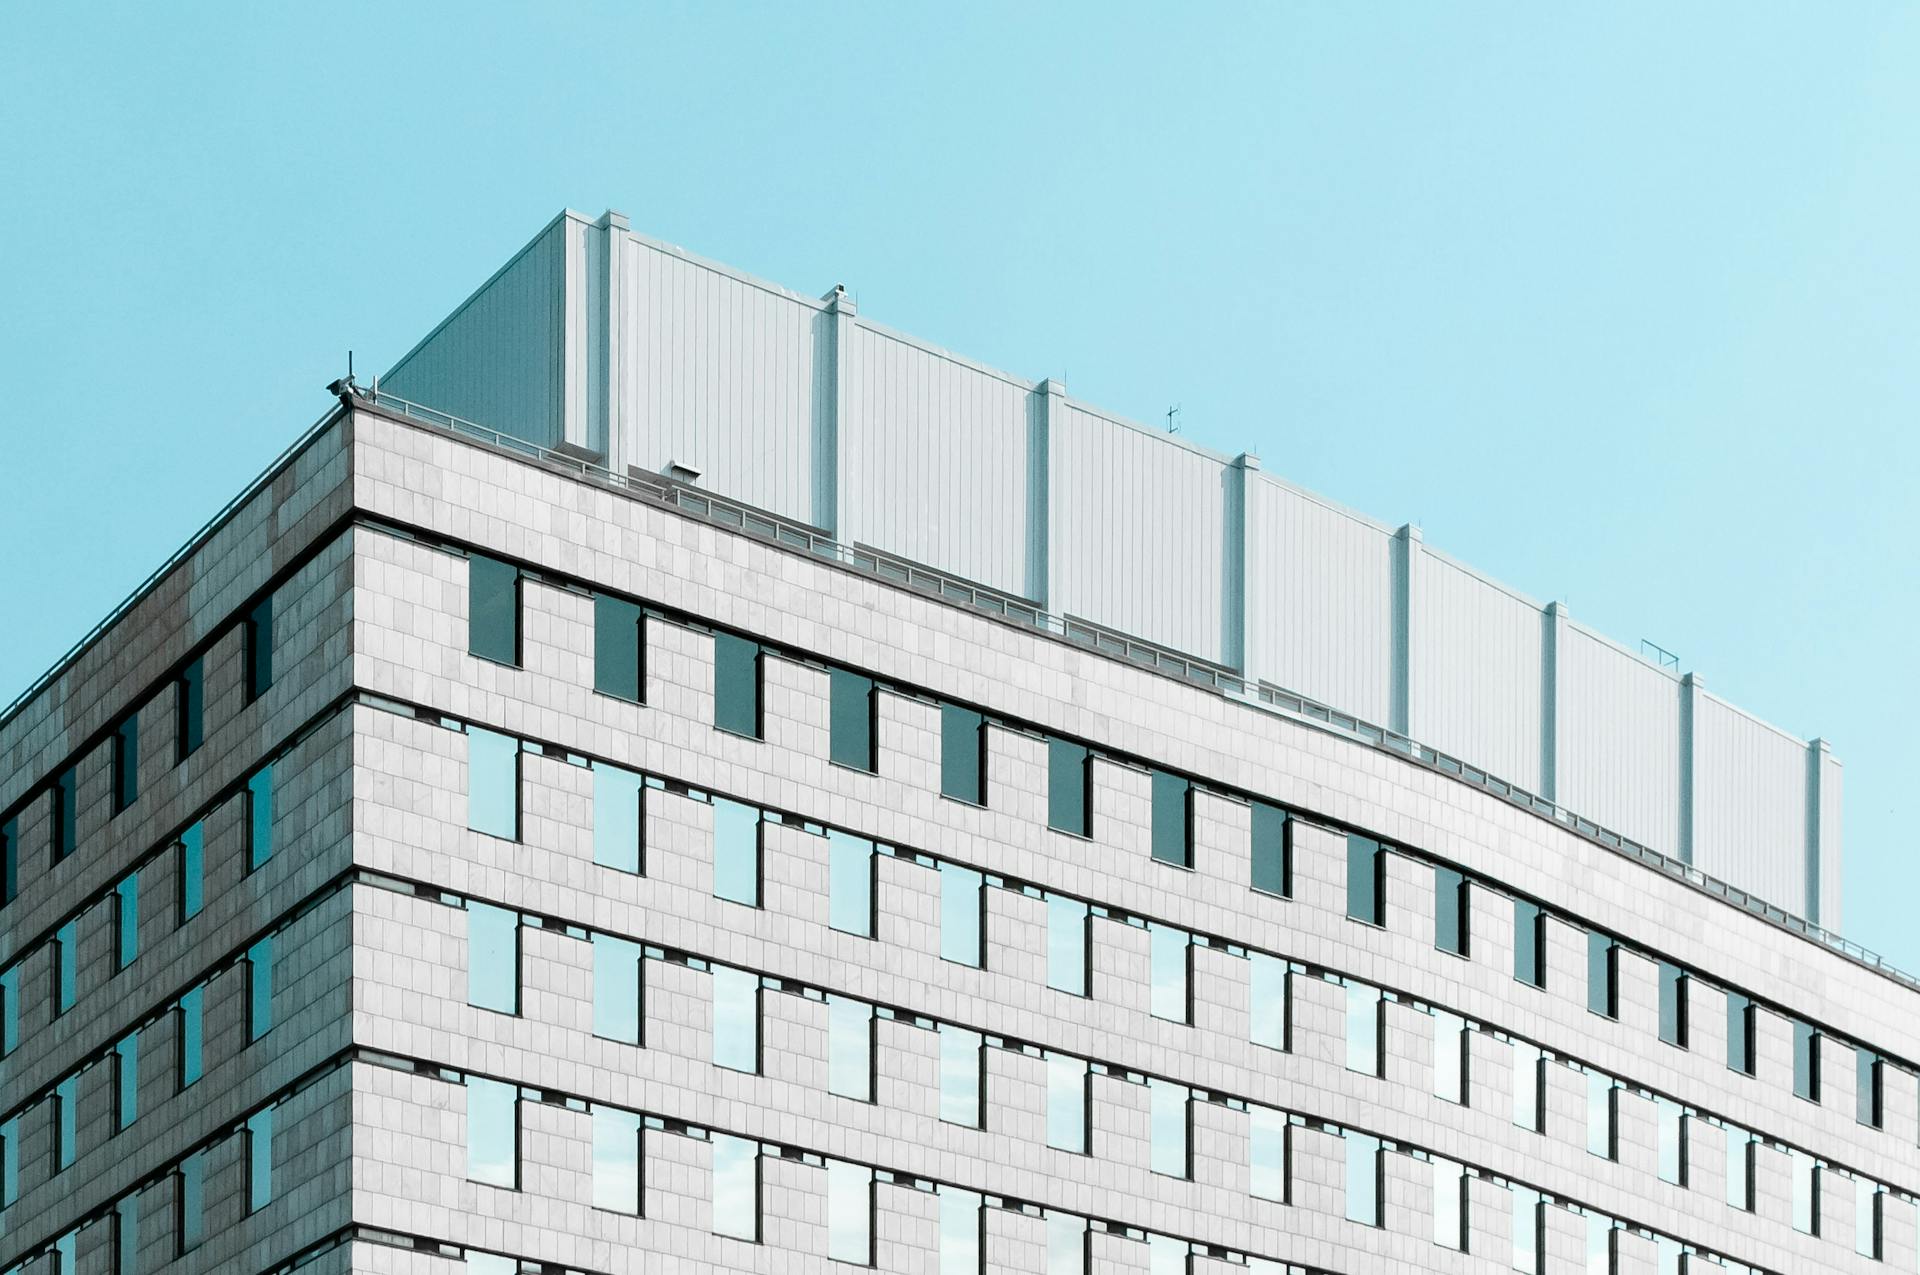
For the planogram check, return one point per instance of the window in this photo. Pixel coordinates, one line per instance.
(963, 754)
(1267, 1000)
(961, 1222)
(1067, 921)
(190, 1203)
(1529, 943)
(736, 852)
(188, 1028)
(960, 1075)
(1066, 1244)
(259, 817)
(1272, 850)
(1528, 1233)
(126, 1235)
(1363, 1029)
(126, 762)
(1449, 1056)
(126, 1080)
(1672, 1119)
(1452, 925)
(736, 1188)
(66, 814)
(493, 609)
(1806, 1061)
(259, 1159)
(66, 1122)
(1806, 1192)
(1363, 1178)
(850, 883)
(9, 1162)
(1167, 1255)
(1167, 1105)
(1869, 1204)
(736, 1019)
(493, 1132)
(493, 783)
(1069, 788)
(66, 966)
(9, 1009)
(1602, 1097)
(1267, 1143)
(849, 1213)
(616, 1160)
(619, 798)
(1172, 955)
(1172, 820)
(189, 710)
(1602, 963)
(126, 920)
(1740, 1034)
(1673, 1004)
(850, 1048)
(66, 1253)
(1067, 1100)
(193, 877)
(852, 719)
(1866, 1087)
(963, 906)
(9, 860)
(1529, 1105)
(619, 648)
(1740, 1168)
(736, 685)
(493, 958)
(260, 988)
(1366, 880)
(1449, 1204)
(616, 988)
(257, 639)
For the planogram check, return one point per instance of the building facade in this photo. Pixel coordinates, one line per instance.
(481, 852)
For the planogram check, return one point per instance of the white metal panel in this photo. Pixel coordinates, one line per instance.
(936, 459)
(1476, 667)
(720, 377)
(1831, 774)
(499, 358)
(1319, 600)
(1622, 734)
(1749, 803)
(1137, 522)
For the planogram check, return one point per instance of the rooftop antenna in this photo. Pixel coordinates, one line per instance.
(1172, 426)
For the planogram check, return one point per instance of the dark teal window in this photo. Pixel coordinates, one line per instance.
(1366, 880)
(66, 1122)
(66, 813)
(1272, 850)
(126, 920)
(619, 648)
(193, 876)
(9, 1162)
(190, 1204)
(1069, 788)
(1529, 943)
(1603, 960)
(736, 685)
(9, 1009)
(1673, 1004)
(493, 609)
(963, 754)
(853, 710)
(260, 988)
(258, 648)
(1452, 922)
(126, 1235)
(126, 762)
(126, 1080)
(9, 859)
(189, 709)
(66, 966)
(1866, 1087)
(259, 817)
(1806, 1061)
(259, 1159)
(1740, 1034)
(187, 1038)
(1172, 819)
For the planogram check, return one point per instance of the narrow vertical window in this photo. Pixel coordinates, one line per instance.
(1363, 1178)
(493, 783)
(1806, 1061)
(493, 958)
(850, 883)
(1067, 923)
(192, 869)
(259, 1159)
(736, 1019)
(1449, 1204)
(1449, 1056)
(257, 654)
(1167, 1255)
(189, 709)
(260, 988)
(1867, 1106)
(619, 648)
(1529, 944)
(962, 913)
(126, 1235)
(1066, 1244)
(1366, 880)
(736, 852)
(9, 860)
(1169, 1135)
(1603, 1093)
(9, 1162)
(1672, 1119)
(1272, 850)
(1268, 984)
(1740, 1145)
(1452, 925)
(1529, 1103)
(9, 1009)
(1172, 816)
(736, 685)
(190, 1203)
(66, 1123)
(66, 813)
(66, 966)
(1267, 1145)
(188, 1034)
(736, 1188)
(126, 920)
(1069, 788)
(1529, 1235)
(852, 714)
(1869, 1206)
(849, 1213)
(961, 1082)
(1740, 1034)
(1673, 1004)
(1172, 961)
(1067, 1098)
(259, 817)
(1364, 1010)
(1806, 1192)
(126, 762)
(850, 1048)
(66, 1253)
(493, 1132)
(963, 755)
(617, 972)
(961, 1222)
(126, 1080)
(493, 609)
(616, 1160)
(1602, 964)
(619, 798)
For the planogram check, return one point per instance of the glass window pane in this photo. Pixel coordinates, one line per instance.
(260, 1159)
(9, 1161)
(1172, 820)
(1529, 946)
(1601, 1092)
(1167, 1255)
(259, 648)
(1449, 1204)
(1171, 959)
(1599, 1244)
(493, 958)
(1366, 899)
(849, 1213)
(259, 817)
(1868, 1199)
(9, 860)
(1600, 975)
(850, 883)
(126, 920)
(260, 988)
(190, 1201)
(961, 906)
(188, 1036)
(851, 709)
(1067, 945)
(1739, 1168)
(1806, 1061)
(1272, 850)
(493, 783)
(736, 1019)
(1066, 1244)
(1069, 788)
(126, 1080)
(9, 1009)
(1866, 1087)
(618, 800)
(493, 609)
(189, 709)
(1167, 1109)
(1528, 1110)
(1267, 996)
(616, 1160)
(617, 647)
(959, 1232)
(1363, 1178)
(1449, 1056)
(1672, 1119)
(1526, 1230)
(192, 871)
(736, 852)
(1267, 1142)
(960, 1075)
(66, 1122)
(1451, 928)
(1740, 1052)
(1363, 1029)
(736, 1187)
(1673, 1004)
(616, 988)
(126, 762)
(66, 813)
(850, 1048)
(736, 685)
(963, 754)
(66, 966)
(1806, 1192)
(1067, 1103)
(126, 1235)
(493, 1132)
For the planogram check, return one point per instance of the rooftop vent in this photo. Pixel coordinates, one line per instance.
(682, 473)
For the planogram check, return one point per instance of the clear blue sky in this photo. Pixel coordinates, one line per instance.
(1617, 301)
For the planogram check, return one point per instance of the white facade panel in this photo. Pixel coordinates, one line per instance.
(1621, 766)
(1319, 600)
(1750, 803)
(1831, 775)
(1476, 676)
(1137, 530)
(937, 460)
